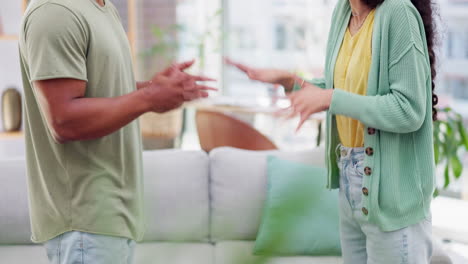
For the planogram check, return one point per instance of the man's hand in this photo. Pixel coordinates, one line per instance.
(169, 89)
(71, 116)
(166, 73)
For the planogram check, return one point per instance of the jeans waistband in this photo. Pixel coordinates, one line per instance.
(348, 152)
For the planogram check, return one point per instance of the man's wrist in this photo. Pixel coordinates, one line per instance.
(144, 99)
(142, 84)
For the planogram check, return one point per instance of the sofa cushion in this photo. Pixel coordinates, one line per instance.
(238, 189)
(240, 252)
(15, 227)
(301, 216)
(23, 254)
(176, 195)
(173, 253)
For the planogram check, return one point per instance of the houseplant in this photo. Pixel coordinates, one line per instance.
(450, 138)
(165, 48)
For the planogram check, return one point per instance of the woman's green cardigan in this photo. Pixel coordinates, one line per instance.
(396, 113)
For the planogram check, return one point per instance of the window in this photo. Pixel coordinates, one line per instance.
(287, 34)
(280, 37)
(466, 43)
(449, 45)
(300, 42)
(459, 88)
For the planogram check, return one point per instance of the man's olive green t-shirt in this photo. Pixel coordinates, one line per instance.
(92, 186)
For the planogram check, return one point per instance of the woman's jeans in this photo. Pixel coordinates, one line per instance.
(363, 242)
(84, 248)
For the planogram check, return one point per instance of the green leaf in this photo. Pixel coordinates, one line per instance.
(447, 176)
(457, 167)
(436, 152)
(157, 32)
(177, 27)
(463, 134)
(446, 109)
(436, 193)
(219, 12)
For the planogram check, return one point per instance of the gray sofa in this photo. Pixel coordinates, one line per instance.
(200, 209)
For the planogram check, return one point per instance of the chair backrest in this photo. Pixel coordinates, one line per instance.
(216, 129)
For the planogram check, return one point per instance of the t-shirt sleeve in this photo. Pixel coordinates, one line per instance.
(56, 44)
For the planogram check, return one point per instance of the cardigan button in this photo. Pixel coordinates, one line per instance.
(369, 151)
(371, 131)
(365, 211)
(368, 171)
(365, 191)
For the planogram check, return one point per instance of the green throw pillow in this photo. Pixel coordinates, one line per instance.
(300, 215)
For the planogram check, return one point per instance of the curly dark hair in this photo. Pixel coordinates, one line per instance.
(426, 9)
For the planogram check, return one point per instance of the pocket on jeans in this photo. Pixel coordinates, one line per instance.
(359, 167)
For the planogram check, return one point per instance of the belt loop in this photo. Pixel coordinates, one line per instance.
(337, 152)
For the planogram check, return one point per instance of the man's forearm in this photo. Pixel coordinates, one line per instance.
(92, 118)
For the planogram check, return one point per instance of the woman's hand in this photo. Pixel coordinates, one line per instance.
(273, 76)
(308, 101)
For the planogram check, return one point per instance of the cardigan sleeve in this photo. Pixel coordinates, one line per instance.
(403, 109)
(319, 82)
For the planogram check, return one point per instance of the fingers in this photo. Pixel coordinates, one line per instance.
(304, 118)
(191, 85)
(168, 71)
(283, 112)
(185, 65)
(205, 88)
(243, 67)
(203, 94)
(201, 78)
(175, 67)
(228, 61)
(299, 107)
(194, 95)
(240, 66)
(197, 92)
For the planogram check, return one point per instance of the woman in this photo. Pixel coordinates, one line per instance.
(378, 91)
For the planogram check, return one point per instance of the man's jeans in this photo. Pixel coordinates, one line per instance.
(84, 248)
(363, 242)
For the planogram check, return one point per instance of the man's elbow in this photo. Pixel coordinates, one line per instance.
(61, 133)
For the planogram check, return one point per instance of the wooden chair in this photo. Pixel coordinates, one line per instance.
(216, 129)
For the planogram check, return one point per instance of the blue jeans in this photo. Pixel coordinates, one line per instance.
(85, 248)
(363, 242)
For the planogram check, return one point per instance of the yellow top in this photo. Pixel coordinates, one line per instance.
(351, 74)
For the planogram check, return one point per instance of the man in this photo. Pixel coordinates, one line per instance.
(83, 140)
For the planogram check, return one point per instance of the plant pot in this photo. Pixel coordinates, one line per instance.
(11, 110)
